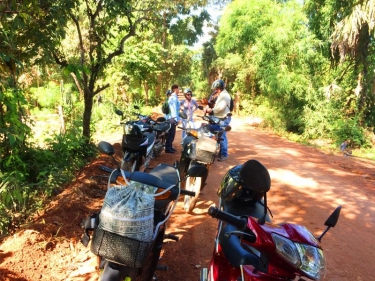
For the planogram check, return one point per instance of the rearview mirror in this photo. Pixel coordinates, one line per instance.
(333, 218)
(200, 107)
(106, 148)
(119, 112)
(182, 114)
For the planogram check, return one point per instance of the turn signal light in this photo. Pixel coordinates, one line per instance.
(163, 196)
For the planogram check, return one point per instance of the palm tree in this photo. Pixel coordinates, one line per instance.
(354, 30)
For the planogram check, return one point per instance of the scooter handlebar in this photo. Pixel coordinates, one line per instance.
(239, 222)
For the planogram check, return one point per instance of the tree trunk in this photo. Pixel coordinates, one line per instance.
(77, 84)
(145, 86)
(237, 100)
(87, 115)
(62, 122)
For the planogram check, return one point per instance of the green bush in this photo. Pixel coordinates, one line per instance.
(36, 173)
(349, 129)
(47, 97)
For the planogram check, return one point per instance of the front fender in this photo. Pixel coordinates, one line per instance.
(197, 170)
(128, 156)
(185, 143)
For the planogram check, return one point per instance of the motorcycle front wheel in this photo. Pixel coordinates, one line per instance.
(129, 166)
(132, 164)
(192, 184)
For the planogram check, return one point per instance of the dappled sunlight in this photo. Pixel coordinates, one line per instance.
(292, 152)
(317, 193)
(293, 179)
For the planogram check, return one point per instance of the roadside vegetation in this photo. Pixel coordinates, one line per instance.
(307, 70)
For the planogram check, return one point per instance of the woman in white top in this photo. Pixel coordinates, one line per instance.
(189, 105)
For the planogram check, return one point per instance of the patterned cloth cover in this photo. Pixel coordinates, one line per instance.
(129, 211)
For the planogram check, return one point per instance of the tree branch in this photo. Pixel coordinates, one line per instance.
(98, 90)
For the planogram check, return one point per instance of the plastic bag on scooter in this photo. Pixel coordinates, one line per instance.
(126, 221)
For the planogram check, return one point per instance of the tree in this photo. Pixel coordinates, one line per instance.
(102, 29)
(348, 32)
(265, 49)
(349, 38)
(26, 29)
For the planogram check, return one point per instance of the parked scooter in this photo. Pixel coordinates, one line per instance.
(138, 261)
(200, 148)
(248, 246)
(143, 140)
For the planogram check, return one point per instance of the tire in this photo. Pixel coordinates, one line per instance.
(163, 140)
(192, 184)
(134, 164)
(129, 166)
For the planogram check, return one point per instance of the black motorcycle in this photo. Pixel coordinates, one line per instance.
(200, 148)
(143, 139)
(124, 258)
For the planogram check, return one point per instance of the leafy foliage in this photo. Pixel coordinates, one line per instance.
(37, 173)
(349, 129)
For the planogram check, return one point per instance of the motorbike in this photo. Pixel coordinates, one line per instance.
(165, 181)
(248, 246)
(142, 140)
(200, 148)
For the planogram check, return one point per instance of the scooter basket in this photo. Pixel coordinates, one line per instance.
(204, 156)
(206, 150)
(132, 142)
(120, 249)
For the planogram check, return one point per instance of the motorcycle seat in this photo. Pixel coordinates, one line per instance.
(159, 177)
(233, 251)
(151, 137)
(166, 173)
(162, 127)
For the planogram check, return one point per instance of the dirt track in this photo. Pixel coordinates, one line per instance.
(307, 185)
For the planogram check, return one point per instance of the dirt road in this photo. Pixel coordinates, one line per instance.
(307, 185)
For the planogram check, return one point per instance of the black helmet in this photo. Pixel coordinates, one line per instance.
(233, 186)
(168, 92)
(218, 84)
(187, 90)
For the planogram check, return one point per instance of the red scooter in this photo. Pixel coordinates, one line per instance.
(248, 247)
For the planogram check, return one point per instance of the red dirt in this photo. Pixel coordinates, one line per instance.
(307, 184)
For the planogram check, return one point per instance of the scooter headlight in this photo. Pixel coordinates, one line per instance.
(307, 258)
(128, 128)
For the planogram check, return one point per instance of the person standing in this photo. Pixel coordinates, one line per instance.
(174, 107)
(220, 109)
(189, 105)
(168, 94)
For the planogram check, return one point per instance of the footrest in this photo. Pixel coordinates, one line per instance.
(162, 267)
(171, 236)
